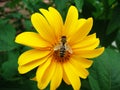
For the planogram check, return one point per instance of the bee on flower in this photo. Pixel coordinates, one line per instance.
(60, 50)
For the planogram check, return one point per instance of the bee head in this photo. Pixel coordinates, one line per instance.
(63, 39)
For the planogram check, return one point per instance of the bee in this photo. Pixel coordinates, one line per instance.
(63, 47)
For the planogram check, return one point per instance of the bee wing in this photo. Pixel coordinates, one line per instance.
(68, 48)
(57, 47)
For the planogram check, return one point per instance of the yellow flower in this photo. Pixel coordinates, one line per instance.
(60, 50)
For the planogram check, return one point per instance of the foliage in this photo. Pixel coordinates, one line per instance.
(15, 18)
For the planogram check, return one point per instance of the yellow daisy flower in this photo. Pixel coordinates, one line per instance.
(60, 50)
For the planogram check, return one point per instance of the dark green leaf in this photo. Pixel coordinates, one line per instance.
(61, 6)
(85, 85)
(7, 36)
(9, 68)
(34, 5)
(110, 2)
(64, 86)
(114, 23)
(93, 82)
(27, 24)
(99, 28)
(3, 21)
(118, 40)
(12, 3)
(79, 4)
(97, 8)
(24, 84)
(104, 75)
(14, 15)
(31, 85)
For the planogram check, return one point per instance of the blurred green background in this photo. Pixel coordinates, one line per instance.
(15, 18)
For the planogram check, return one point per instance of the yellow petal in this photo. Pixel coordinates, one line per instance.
(89, 53)
(87, 38)
(82, 31)
(65, 78)
(79, 70)
(46, 77)
(75, 27)
(31, 39)
(42, 68)
(41, 25)
(88, 43)
(54, 19)
(29, 66)
(91, 46)
(57, 77)
(31, 56)
(83, 62)
(72, 76)
(71, 18)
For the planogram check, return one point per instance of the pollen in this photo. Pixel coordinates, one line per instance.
(58, 58)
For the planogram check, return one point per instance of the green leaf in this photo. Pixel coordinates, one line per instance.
(29, 85)
(118, 40)
(12, 3)
(110, 2)
(7, 35)
(114, 23)
(105, 72)
(79, 4)
(97, 8)
(9, 68)
(33, 6)
(61, 6)
(93, 82)
(16, 15)
(23, 84)
(27, 24)
(64, 86)
(85, 85)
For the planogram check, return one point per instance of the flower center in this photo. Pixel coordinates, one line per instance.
(62, 50)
